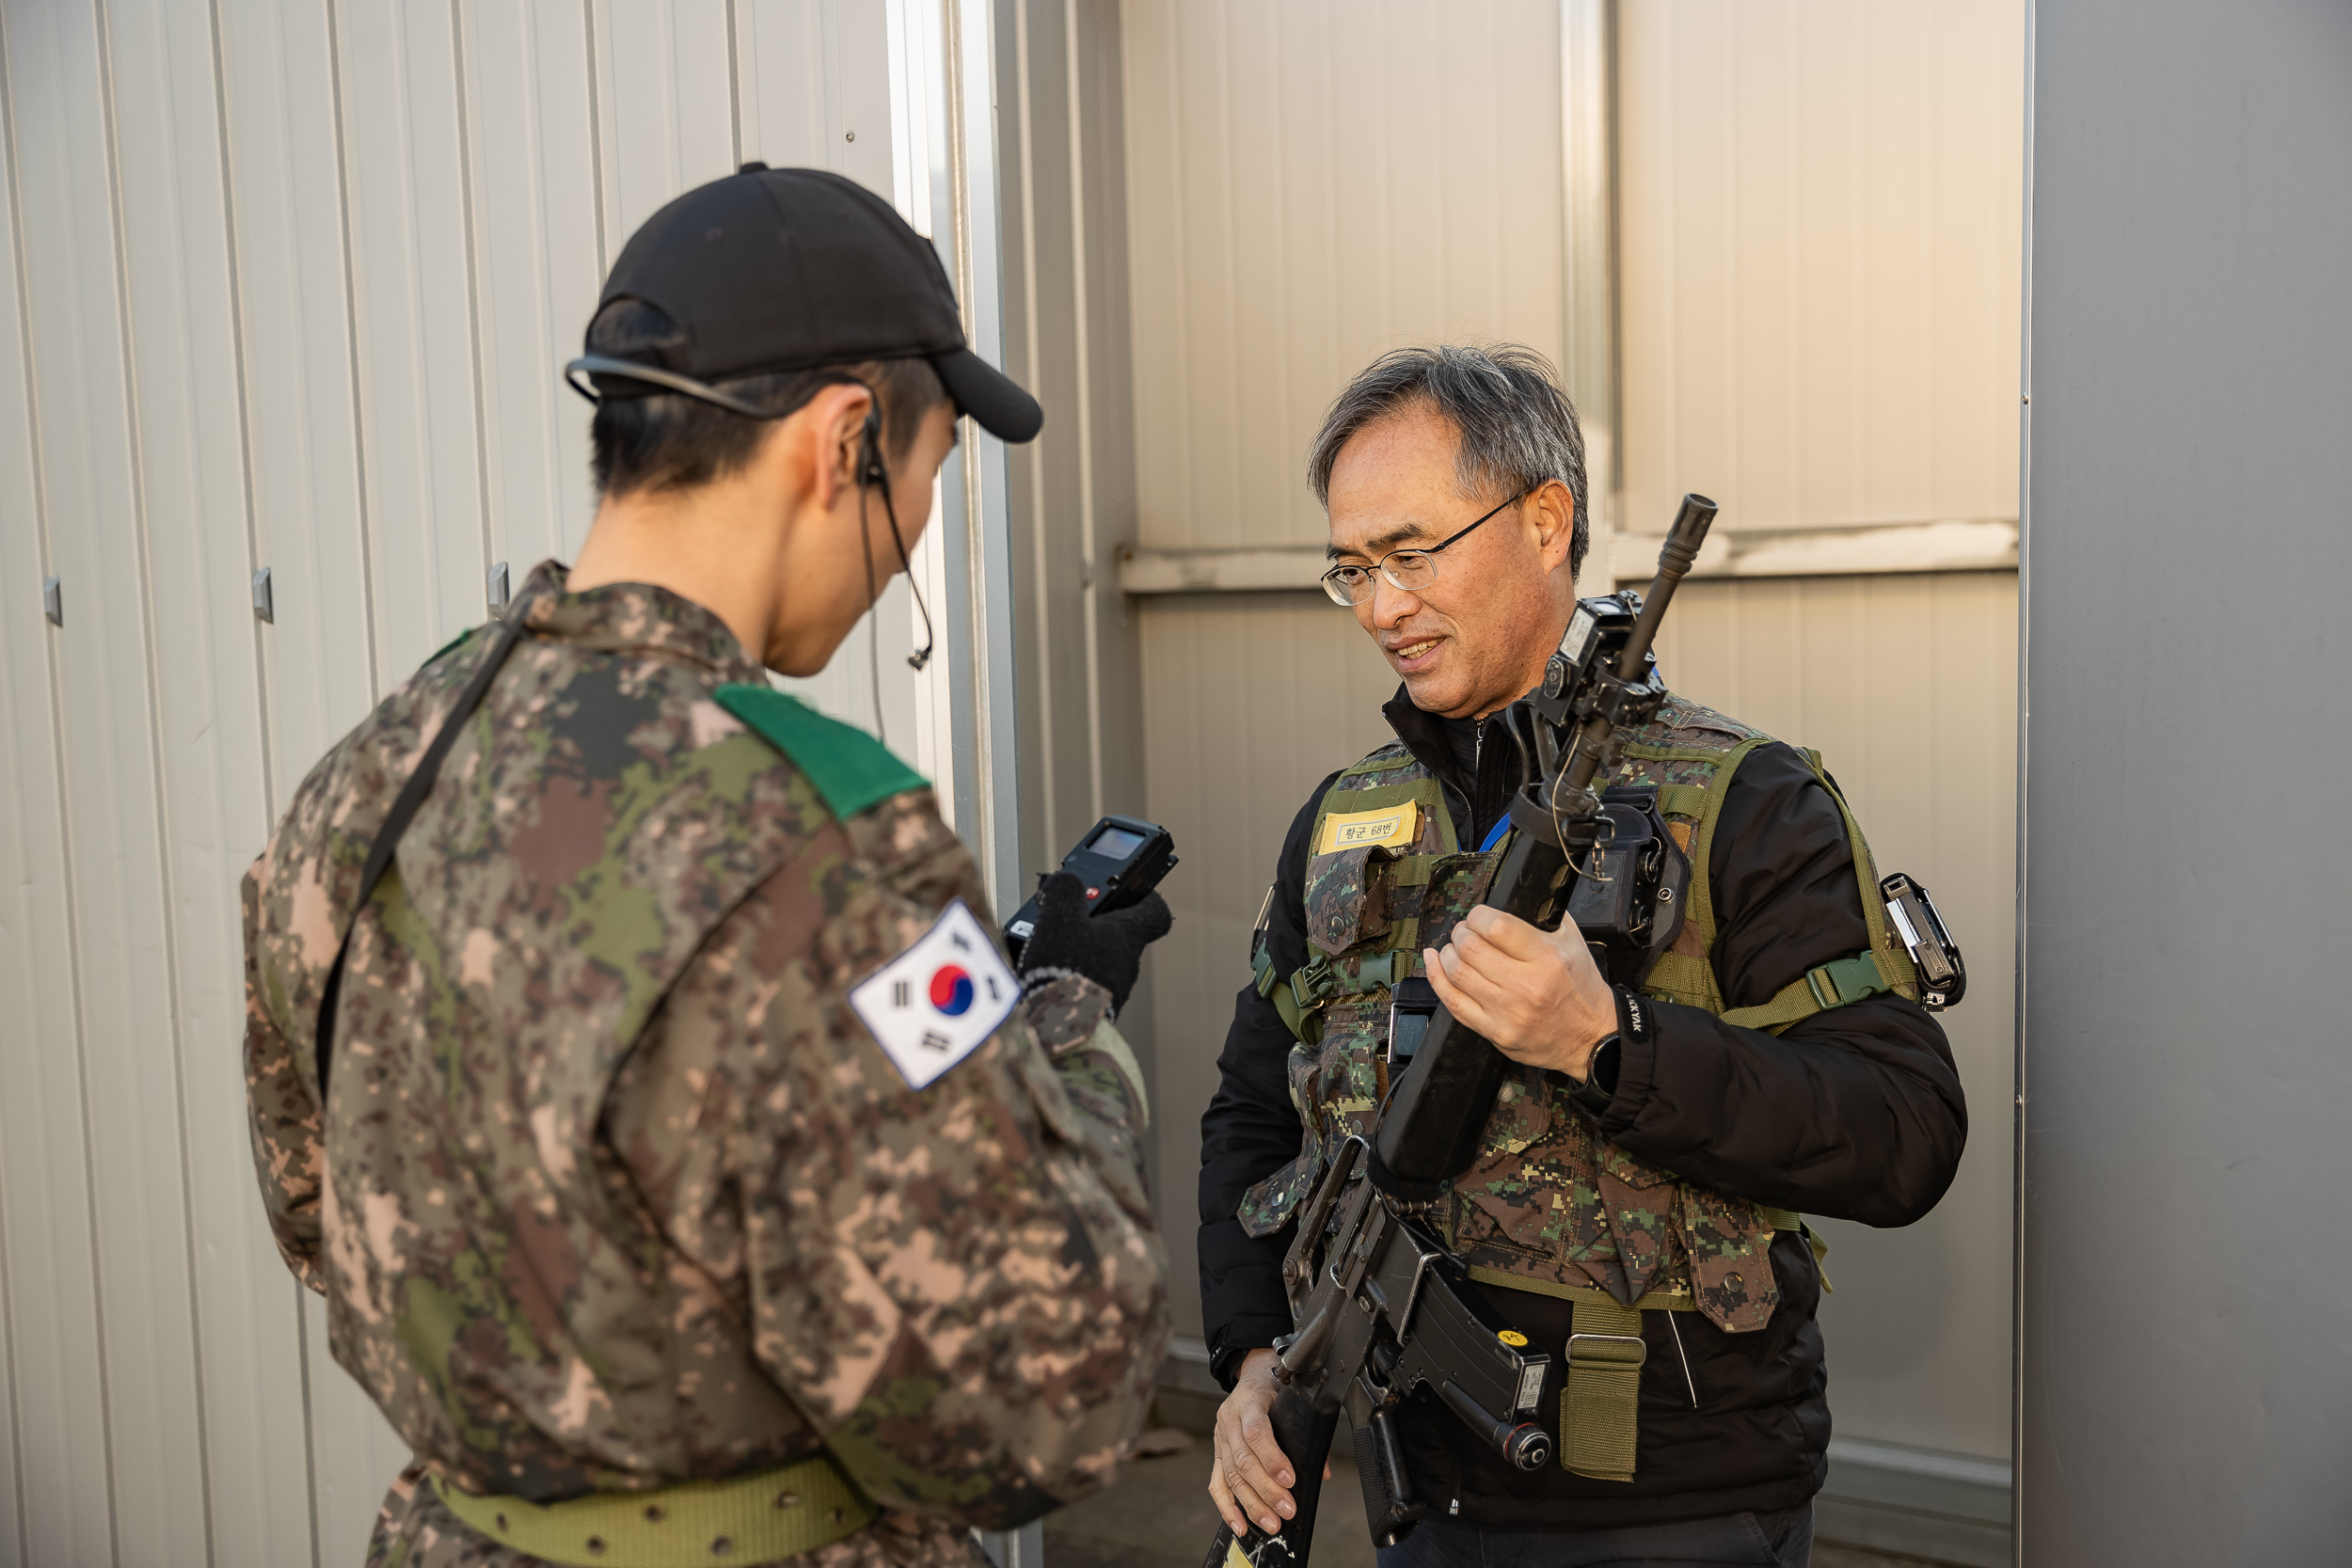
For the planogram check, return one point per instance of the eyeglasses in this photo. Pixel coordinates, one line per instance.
(1349, 585)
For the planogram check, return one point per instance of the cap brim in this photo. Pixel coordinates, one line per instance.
(997, 402)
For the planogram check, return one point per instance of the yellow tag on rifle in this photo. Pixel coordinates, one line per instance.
(1353, 829)
(1513, 1337)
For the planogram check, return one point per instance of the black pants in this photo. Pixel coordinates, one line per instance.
(1778, 1540)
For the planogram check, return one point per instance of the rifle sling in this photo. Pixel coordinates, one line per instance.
(404, 811)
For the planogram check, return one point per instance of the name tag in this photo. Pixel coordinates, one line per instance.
(1353, 829)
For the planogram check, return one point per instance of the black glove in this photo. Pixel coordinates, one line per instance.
(1108, 949)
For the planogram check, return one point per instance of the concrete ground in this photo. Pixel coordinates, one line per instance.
(1158, 1516)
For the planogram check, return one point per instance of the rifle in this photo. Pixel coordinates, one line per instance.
(1382, 1308)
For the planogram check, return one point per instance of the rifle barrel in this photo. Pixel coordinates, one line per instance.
(1674, 559)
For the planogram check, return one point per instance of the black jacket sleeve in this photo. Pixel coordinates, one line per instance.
(1854, 1113)
(1251, 1130)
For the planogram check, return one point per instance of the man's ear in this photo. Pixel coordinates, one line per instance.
(1554, 515)
(838, 420)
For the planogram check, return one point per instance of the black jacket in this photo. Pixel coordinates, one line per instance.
(1854, 1113)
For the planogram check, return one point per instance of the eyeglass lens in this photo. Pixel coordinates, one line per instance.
(1406, 569)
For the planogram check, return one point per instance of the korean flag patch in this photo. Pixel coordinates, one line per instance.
(929, 1007)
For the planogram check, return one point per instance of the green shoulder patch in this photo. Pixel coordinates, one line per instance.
(848, 767)
(451, 646)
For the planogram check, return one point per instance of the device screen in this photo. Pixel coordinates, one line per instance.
(1115, 843)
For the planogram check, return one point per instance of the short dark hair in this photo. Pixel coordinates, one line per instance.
(670, 441)
(1515, 425)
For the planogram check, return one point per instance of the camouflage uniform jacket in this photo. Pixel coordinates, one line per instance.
(613, 1189)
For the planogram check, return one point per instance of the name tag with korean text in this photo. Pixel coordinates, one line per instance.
(1353, 829)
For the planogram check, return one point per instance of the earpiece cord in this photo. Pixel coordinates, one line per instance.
(921, 656)
(873, 618)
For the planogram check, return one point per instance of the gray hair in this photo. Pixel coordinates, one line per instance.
(1515, 426)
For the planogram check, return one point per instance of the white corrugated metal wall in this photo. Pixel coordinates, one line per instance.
(287, 287)
(1817, 322)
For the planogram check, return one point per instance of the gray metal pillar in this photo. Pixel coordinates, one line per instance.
(2185, 1252)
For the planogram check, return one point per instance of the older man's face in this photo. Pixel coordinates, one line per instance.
(1477, 637)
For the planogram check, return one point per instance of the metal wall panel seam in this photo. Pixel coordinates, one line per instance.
(7, 1291)
(1083, 336)
(1589, 250)
(142, 534)
(969, 59)
(270, 786)
(245, 411)
(474, 274)
(735, 89)
(70, 913)
(350, 335)
(2025, 820)
(596, 133)
(1027, 176)
(7, 1352)
(8, 1284)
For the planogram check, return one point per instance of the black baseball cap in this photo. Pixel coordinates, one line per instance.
(789, 269)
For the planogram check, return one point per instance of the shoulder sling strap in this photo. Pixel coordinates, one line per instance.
(404, 810)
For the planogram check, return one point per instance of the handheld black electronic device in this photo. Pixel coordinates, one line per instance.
(1120, 858)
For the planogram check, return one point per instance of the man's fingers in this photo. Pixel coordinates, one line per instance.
(1482, 966)
(1458, 1001)
(1268, 1453)
(1513, 936)
(1237, 1501)
(1253, 1469)
(1222, 1496)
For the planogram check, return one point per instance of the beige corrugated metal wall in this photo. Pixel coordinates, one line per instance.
(1818, 326)
(286, 286)
(1307, 185)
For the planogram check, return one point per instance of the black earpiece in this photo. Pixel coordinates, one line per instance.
(870, 472)
(873, 475)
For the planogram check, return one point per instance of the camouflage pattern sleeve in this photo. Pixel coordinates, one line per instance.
(289, 1154)
(1071, 1016)
(960, 1286)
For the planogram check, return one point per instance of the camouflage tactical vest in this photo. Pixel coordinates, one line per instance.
(1547, 1205)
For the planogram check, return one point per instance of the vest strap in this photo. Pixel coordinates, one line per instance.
(1601, 1404)
(1832, 984)
(754, 1518)
(1682, 800)
(1315, 986)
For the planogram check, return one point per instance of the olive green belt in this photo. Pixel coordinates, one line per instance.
(694, 1524)
(1601, 1393)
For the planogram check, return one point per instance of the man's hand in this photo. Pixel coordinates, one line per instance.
(1250, 1478)
(1108, 949)
(1536, 994)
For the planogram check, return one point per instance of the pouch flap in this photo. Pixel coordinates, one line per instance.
(1347, 898)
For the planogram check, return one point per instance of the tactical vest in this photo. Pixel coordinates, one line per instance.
(1548, 1205)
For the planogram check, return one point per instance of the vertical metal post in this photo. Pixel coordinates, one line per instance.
(943, 91)
(1588, 169)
